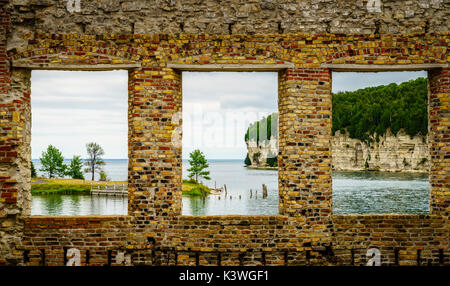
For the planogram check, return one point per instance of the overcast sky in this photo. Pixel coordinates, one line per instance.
(70, 109)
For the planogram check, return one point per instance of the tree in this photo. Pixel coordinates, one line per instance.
(198, 164)
(33, 171)
(52, 162)
(95, 161)
(103, 176)
(368, 113)
(75, 168)
(247, 161)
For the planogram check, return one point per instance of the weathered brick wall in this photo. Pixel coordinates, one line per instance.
(439, 127)
(402, 239)
(98, 238)
(146, 39)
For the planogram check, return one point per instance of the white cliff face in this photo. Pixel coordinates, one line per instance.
(258, 153)
(399, 153)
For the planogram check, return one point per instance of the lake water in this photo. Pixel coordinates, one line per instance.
(353, 192)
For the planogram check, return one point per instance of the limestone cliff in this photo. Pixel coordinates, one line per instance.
(259, 152)
(392, 153)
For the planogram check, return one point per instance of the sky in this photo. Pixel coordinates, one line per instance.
(70, 109)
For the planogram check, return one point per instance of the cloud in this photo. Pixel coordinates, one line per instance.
(219, 106)
(232, 90)
(351, 81)
(70, 109)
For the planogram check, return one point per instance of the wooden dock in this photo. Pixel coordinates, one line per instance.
(109, 190)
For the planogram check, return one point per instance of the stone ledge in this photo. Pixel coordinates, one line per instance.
(88, 67)
(377, 68)
(230, 67)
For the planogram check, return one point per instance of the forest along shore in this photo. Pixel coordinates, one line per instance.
(381, 128)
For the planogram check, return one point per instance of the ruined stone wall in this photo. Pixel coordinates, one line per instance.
(152, 38)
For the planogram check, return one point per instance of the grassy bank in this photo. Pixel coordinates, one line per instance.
(63, 186)
(82, 187)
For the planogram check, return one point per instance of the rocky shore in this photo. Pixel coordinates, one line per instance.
(391, 153)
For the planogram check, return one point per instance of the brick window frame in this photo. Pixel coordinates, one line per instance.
(23, 71)
(437, 75)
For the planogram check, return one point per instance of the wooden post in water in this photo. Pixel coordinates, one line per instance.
(264, 188)
(225, 187)
(251, 193)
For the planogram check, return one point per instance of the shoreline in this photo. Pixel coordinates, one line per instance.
(350, 170)
(261, 168)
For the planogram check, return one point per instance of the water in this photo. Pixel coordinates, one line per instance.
(55, 205)
(353, 193)
(380, 192)
(239, 181)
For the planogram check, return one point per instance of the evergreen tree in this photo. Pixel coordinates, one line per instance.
(247, 161)
(368, 113)
(103, 176)
(75, 168)
(52, 162)
(198, 165)
(33, 171)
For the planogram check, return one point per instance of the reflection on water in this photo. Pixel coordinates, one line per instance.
(353, 193)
